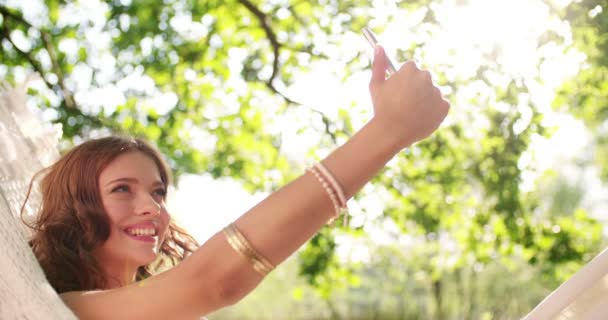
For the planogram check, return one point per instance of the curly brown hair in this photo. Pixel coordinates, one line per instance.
(72, 222)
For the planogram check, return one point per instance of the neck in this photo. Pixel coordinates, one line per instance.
(119, 274)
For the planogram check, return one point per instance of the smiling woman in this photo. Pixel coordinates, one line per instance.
(133, 195)
(103, 222)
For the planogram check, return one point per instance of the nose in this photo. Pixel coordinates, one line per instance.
(147, 205)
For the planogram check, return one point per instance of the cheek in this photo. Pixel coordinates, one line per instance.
(117, 211)
(165, 219)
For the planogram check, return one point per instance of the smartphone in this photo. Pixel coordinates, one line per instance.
(371, 38)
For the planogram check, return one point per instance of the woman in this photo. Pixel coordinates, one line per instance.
(114, 223)
(93, 210)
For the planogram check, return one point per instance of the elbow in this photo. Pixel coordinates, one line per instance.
(227, 296)
(221, 284)
(215, 294)
(232, 289)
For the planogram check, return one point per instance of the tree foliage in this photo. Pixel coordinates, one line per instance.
(207, 82)
(586, 95)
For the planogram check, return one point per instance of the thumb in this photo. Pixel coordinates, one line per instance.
(379, 66)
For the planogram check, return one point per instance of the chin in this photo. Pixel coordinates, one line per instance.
(143, 258)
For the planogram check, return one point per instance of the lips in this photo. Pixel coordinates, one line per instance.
(146, 232)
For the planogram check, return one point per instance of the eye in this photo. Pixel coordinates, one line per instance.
(121, 188)
(160, 192)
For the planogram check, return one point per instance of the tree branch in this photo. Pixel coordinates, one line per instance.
(263, 18)
(276, 46)
(27, 55)
(326, 125)
(6, 12)
(65, 92)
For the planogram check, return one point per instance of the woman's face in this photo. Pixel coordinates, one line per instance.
(132, 194)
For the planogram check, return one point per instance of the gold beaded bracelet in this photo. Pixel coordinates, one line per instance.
(334, 191)
(336, 188)
(240, 244)
(330, 193)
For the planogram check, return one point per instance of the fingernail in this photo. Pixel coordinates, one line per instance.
(377, 50)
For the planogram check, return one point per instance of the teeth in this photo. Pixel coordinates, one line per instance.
(141, 232)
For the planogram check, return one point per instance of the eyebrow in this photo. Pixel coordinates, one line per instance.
(134, 180)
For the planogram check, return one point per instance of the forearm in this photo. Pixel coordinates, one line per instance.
(407, 108)
(280, 224)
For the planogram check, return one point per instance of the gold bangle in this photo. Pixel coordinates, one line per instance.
(240, 244)
(259, 260)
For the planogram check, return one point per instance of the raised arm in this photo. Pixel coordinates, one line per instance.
(407, 108)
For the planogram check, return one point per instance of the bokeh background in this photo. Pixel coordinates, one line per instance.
(480, 221)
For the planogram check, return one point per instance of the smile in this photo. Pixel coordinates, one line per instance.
(147, 233)
(142, 237)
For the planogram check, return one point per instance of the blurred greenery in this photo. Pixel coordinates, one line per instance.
(585, 96)
(469, 242)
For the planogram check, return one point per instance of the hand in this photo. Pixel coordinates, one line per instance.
(408, 103)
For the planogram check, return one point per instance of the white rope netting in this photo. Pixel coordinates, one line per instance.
(26, 146)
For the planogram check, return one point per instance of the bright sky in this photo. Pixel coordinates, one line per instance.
(468, 32)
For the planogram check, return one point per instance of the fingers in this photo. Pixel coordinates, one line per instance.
(419, 84)
(426, 84)
(379, 66)
(409, 66)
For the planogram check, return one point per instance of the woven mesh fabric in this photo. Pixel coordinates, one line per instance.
(26, 146)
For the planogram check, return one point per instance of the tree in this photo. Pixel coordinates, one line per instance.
(586, 95)
(195, 76)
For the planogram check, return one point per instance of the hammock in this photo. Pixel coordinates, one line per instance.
(27, 145)
(583, 296)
